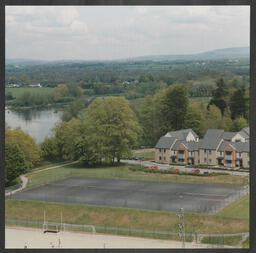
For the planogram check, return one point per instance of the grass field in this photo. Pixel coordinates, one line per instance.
(16, 92)
(238, 209)
(126, 218)
(148, 154)
(123, 171)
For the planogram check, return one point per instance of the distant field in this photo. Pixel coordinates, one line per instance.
(16, 92)
(123, 171)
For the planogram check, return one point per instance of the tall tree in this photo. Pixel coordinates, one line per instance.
(15, 164)
(193, 119)
(25, 143)
(73, 110)
(238, 103)
(220, 96)
(148, 120)
(175, 107)
(111, 128)
(238, 124)
(66, 134)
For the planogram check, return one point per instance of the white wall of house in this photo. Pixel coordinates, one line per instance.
(238, 137)
(190, 137)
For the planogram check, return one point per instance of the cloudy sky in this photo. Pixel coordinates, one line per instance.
(111, 32)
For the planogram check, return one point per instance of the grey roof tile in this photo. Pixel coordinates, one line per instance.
(181, 134)
(228, 135)
(165, 142)
(238, 146)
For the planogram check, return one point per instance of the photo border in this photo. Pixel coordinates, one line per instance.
(252, 124)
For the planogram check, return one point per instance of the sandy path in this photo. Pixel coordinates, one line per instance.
(35, 238)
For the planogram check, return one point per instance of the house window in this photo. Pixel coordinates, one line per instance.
(210, 152)
(205, 160)
(160, 158)
(164, 150)
(210, 160)
(164, 157)
(174, 152)
(205, 151)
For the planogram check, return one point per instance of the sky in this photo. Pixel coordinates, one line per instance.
(116, 32)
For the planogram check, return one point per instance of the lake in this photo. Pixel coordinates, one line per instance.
(37, 123)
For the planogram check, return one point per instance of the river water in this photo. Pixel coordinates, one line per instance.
(37, 123)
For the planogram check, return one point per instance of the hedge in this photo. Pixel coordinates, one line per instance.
(146, 170)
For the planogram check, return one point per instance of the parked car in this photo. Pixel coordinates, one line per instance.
(135, 158)
(140, 157)
(195, 171)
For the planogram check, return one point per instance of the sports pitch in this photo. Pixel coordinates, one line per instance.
(196, 198)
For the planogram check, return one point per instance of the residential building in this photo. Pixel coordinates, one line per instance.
(217, 148)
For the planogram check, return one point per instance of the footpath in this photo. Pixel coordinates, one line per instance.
(24, 179)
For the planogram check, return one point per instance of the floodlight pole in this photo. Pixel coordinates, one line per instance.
(182, 226)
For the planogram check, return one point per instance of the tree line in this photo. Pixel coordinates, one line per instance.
(108, 129)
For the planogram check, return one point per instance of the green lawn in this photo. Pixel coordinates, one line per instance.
(237, 210)
(148, 155)
(123, 171)
(122, 217)
(17, 92)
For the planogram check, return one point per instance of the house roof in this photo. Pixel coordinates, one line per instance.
(213, 133)
(211, 139)
(241, 146)
(224, 144)
(238, 146)
(190, 145)
(165, 142)
(243, 134)
(228, 135)
(209, 143)
(181, 134)
(246, 130)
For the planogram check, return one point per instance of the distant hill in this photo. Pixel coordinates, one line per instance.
(218, 54)
(24, 62)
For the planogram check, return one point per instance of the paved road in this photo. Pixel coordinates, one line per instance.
(182, 168)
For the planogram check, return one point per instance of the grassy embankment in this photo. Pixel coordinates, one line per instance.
(229, 220)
